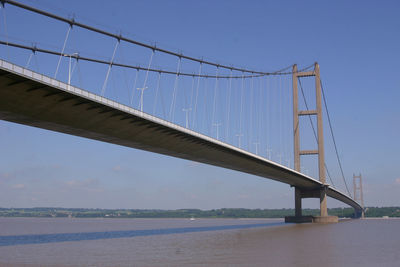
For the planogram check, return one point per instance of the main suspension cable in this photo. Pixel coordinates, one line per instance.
(5, 27)
(333, 137)
(73, 22)
(137, 67)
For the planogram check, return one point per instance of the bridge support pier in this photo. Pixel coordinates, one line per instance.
(359, 213)
(299, 218)
(297, 202)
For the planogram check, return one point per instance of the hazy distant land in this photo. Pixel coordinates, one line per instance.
(186, 213)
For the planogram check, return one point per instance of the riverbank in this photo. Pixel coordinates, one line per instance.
(48, 212)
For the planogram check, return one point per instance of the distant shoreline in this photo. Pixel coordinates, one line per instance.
(382, 218)
(238, 213)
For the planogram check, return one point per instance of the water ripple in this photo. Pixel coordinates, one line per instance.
(14, 240)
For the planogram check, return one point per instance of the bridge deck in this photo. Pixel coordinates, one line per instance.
(33, 99)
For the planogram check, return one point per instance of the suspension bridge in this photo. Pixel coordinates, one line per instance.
(146, 97)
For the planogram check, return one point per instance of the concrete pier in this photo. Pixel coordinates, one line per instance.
(325, 219)
(311, 219)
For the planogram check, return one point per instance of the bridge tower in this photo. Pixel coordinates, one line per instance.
(318, 192)
(358, 192)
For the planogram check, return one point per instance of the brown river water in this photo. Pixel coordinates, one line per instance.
(199, 242)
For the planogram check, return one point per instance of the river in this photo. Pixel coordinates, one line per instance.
(199, 242)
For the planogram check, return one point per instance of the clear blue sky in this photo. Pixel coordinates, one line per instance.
(355, 42)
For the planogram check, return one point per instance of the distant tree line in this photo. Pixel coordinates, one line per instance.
(187, 213)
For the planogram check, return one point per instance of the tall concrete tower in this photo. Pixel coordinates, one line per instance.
(320, 192)
(358, 191)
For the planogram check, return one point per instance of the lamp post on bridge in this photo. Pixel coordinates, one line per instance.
(69, 65)
(288, 163)
(141, 97)
(187, 110)
(256, 145)
(280, 158)
(217, 125)
(239, 136)
(269, 153)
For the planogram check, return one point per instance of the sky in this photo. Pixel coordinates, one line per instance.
(355, 43)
